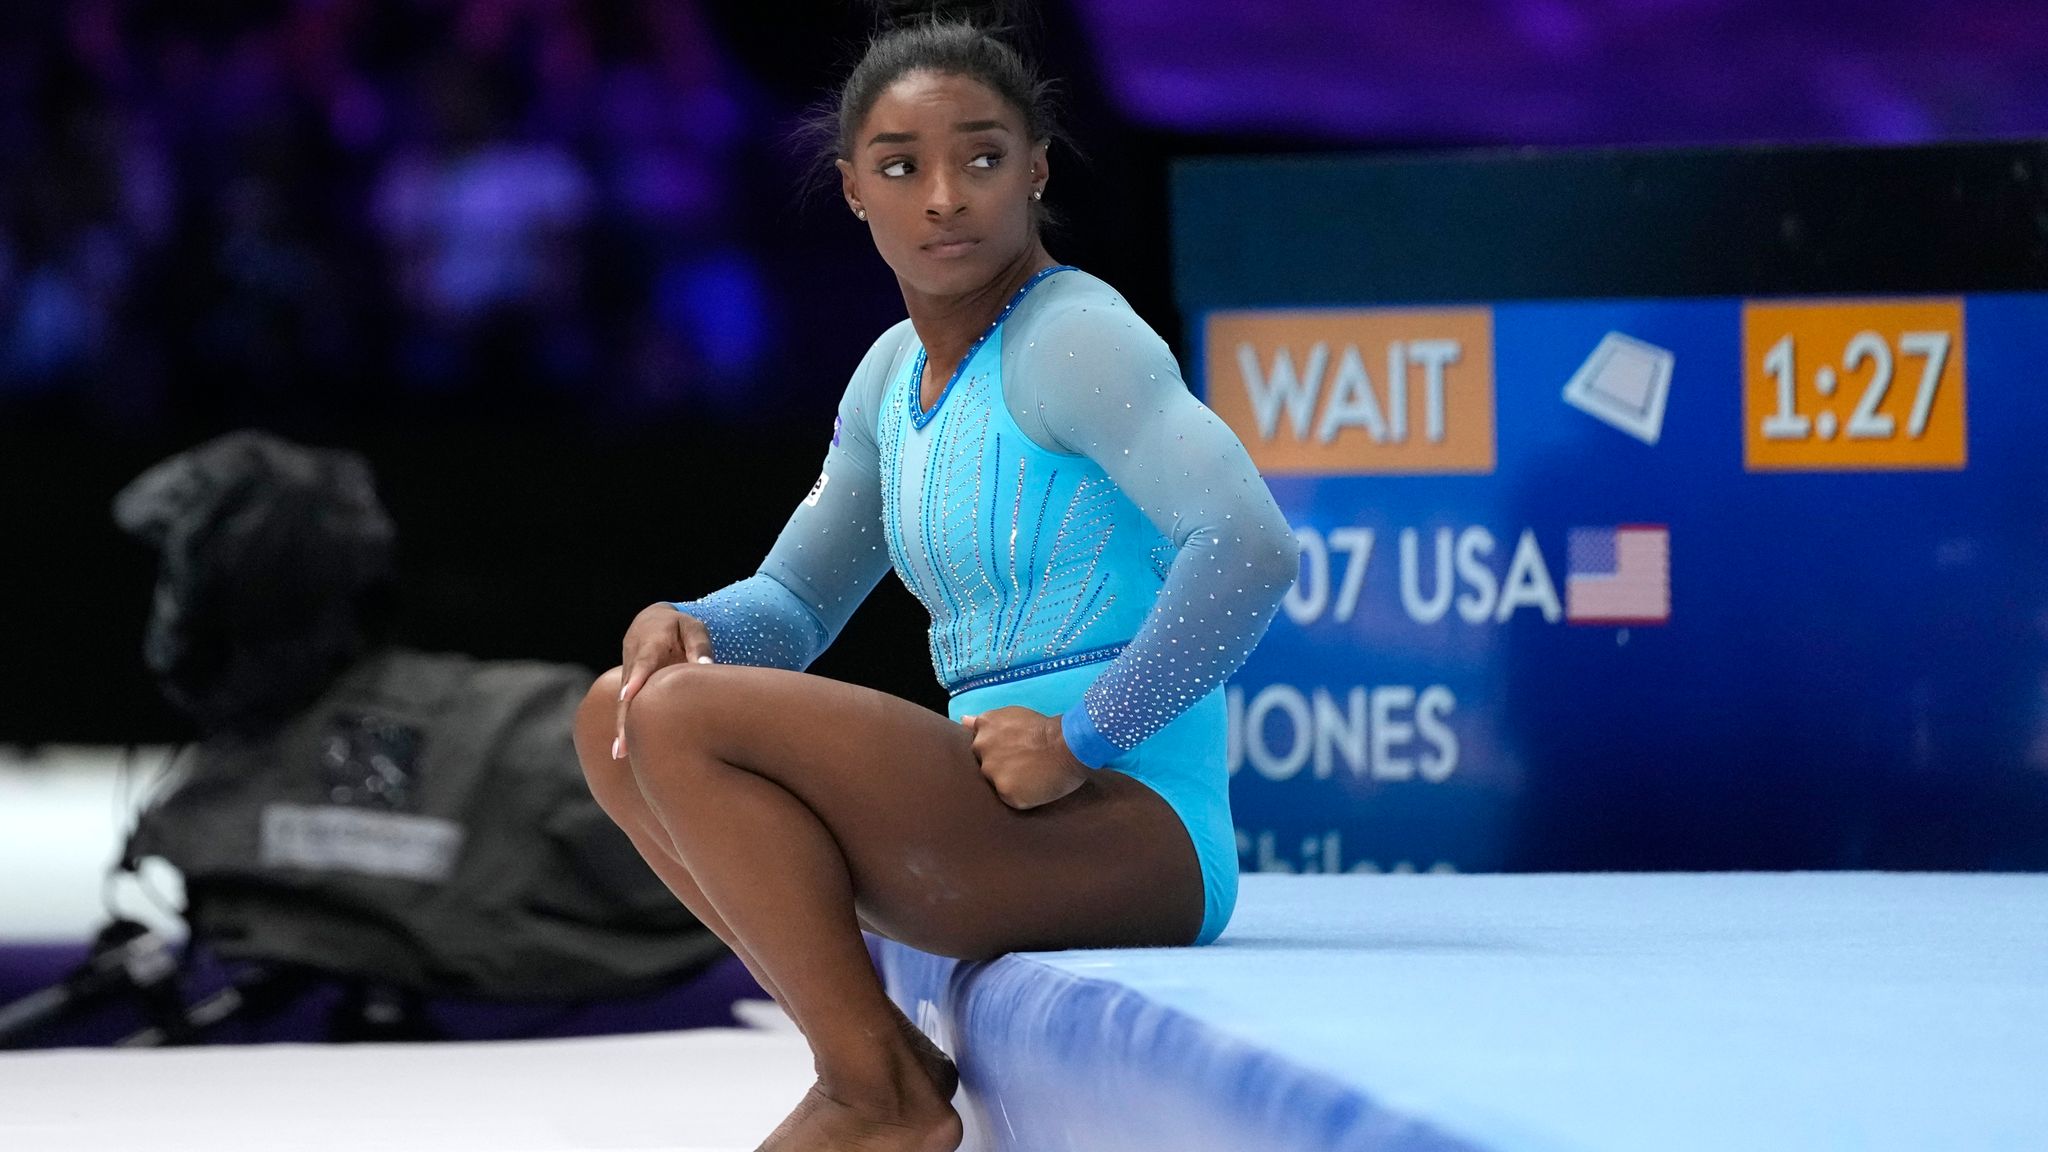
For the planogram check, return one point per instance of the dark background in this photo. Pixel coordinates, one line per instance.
(560, 272)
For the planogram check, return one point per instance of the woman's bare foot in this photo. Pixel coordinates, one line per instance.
(888, 1102)
(821, 1120)
(823, 1124)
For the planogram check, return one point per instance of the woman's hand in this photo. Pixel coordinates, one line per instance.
(659, 636)
(1024, 756)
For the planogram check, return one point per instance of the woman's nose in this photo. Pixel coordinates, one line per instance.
(945, 196)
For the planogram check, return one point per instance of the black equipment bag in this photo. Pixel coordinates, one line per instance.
(424, 823)
(357, 807)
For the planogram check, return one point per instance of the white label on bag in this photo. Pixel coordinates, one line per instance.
(337, 839)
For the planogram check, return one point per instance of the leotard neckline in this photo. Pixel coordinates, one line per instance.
(920, 419)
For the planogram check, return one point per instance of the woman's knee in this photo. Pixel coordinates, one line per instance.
(598, 714)
(596, 726)
(669, 706)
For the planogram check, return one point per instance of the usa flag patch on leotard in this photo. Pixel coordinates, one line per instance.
(835, 431)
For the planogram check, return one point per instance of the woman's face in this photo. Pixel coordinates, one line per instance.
(944, 170)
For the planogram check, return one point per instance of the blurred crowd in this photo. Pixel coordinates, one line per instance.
(303, 211)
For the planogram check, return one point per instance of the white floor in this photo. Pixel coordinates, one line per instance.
(676, 1092)
(63, 813)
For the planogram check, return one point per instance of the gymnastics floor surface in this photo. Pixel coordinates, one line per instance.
(1524, 1012)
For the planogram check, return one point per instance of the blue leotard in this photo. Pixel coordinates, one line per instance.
(1090, 540)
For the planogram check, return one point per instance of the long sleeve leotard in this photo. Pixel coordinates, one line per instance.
(1065, 500)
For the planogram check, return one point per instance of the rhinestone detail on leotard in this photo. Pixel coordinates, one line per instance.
(1072, 497)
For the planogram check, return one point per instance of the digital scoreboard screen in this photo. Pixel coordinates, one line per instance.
(1704, 575)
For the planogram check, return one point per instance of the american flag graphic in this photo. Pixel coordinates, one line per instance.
(1619, 575)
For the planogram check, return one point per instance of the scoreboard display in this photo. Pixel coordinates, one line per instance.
(1617, 560)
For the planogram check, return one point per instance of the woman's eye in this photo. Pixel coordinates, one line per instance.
(895, 168)
(992, 158)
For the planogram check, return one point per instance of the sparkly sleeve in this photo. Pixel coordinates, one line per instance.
(829, 556)
(1097, 381)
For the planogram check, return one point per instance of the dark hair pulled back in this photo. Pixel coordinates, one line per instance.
(954, 39)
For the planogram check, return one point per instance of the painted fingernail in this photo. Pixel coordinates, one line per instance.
(616, 742)
(622, 689)
(703, 659)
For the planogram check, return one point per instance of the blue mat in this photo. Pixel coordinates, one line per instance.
(1551, 1013)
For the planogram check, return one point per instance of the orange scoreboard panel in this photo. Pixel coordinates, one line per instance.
(1386, 391)
(1854, 386)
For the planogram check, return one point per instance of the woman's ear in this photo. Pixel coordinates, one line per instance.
(1039, 168)
(846, 185)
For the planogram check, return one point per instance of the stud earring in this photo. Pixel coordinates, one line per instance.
(1037, 193)
(860, 213)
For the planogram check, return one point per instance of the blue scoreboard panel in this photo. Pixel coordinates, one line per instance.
(1686, 578)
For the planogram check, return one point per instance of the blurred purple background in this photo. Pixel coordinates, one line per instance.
(1580, 72)
(558, 269)
(302, 212)
(246, 210)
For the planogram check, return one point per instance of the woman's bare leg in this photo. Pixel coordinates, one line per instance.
(617, 791)
(799, 805)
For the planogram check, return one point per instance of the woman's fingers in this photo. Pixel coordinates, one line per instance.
(696, 640)
(650, 645)
(635, 674)
(1027, 765)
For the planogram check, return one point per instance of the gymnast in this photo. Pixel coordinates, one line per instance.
(1097, 553)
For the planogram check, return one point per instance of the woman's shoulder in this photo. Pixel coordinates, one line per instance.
(1069, 290)
(861, 404)
(888, 353)
(1076, 306)
(884, 358)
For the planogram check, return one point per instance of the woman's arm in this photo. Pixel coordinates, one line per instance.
(829, 556)
(1102, 384)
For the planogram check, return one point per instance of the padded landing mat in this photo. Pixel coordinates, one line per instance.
(1551, 1013)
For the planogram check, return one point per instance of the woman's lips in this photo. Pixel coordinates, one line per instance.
(946, 249)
